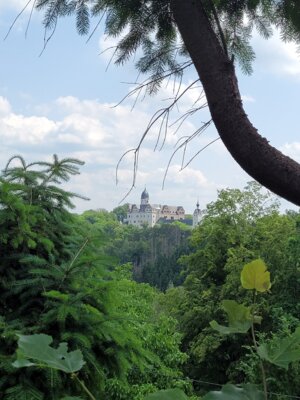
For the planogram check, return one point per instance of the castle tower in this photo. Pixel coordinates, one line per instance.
(144, 200)
(197, 216)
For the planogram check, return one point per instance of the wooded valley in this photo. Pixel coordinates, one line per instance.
(92, 308)
(137, 307)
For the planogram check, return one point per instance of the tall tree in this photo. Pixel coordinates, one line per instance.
(238, 227)
(216, 71)
(54, 279)
(213, 34)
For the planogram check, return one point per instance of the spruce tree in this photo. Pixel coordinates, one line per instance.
(55, 279)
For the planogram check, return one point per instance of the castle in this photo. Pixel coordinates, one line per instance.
(150, 214)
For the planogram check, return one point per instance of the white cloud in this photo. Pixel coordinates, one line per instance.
(99, 134)
(13, 4)
(84, 130)
(248, 99)
(182, 176)
(27, 130)
(122, 122)
(4, 106)
(278, 57)
(292, 150)
(74, 105)
(69, 138)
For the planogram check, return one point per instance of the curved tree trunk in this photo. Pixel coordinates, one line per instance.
(254, 154)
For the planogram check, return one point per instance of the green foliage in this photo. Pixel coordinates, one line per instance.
(159, 336)
(239, 318)
(239, 227)
(23, 392)
(154, 252)
(56, 279)
(278, 351)
(71, 398)
(170, 394)
(121, 212)
(37, 348)
(281, 352)
(231, 392)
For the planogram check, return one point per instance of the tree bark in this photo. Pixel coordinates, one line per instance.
(253, 153)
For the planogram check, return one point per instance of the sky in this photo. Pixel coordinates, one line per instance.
(66, 102)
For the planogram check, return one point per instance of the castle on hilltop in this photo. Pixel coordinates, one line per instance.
(150, 214)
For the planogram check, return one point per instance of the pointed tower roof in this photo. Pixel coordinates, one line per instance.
(197, 209)
(145, 195)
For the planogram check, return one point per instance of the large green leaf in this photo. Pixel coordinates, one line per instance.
(37, 348)
(231, 392)
(239, 318)
(282, 352)
(169, 394)
(255, 276)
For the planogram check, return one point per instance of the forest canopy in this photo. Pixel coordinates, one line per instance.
(67, 286)
(93, 308)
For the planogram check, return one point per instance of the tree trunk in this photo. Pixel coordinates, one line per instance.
(253, 153)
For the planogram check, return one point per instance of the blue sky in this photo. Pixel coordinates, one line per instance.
(62, 102)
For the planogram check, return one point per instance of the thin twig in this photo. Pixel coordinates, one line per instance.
(29, 19)
(200, 151)
(163, 114)
(95, 28)
(183, 145)
(81, 383)
(47, 39)
(72, 262)
(17, 17)
(119, 162)
(150, 81)
(78, 253)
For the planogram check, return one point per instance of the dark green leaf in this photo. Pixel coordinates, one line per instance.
(239, 318)
(281, 352)
(36, 347)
